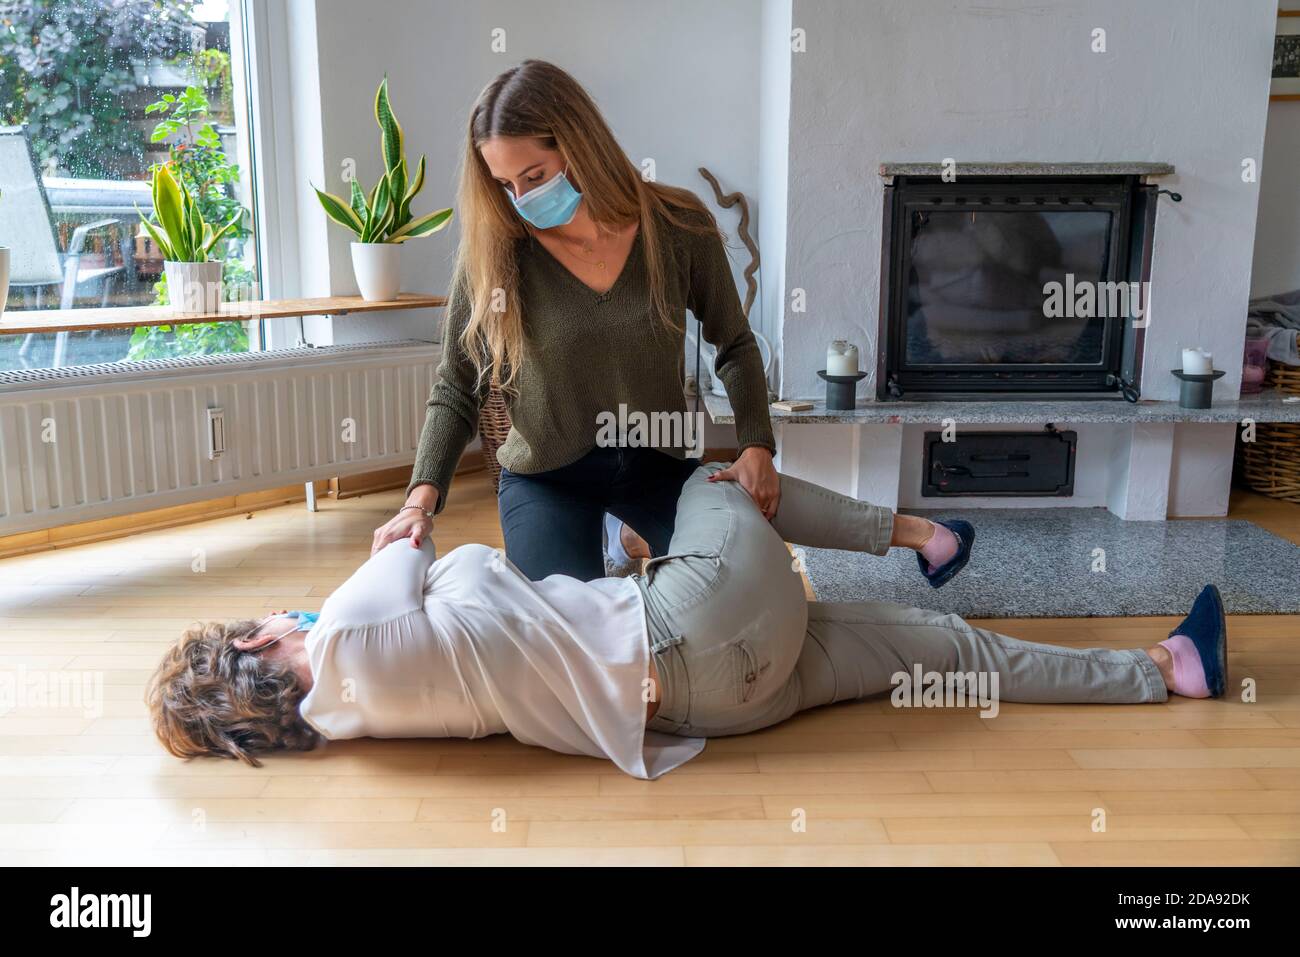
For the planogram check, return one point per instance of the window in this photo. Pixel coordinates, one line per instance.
(93, 95)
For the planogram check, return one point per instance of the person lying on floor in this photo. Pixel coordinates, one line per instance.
(714, 638)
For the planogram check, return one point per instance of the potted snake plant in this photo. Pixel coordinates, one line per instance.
(382, 219)
(4, 277)
(186, 242)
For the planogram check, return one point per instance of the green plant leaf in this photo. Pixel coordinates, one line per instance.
(379, 211)
(422, 226)
(385, 227)
(413, 189)
(340, 211)
(391, 137)
(215, 237)
(397, 189)
(359, 201)
(195, 220)
(158, 238)
(168, 207)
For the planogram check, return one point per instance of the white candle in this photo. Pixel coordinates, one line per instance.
(1197, 362)
(842, 358)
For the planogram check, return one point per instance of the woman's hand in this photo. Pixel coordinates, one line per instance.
(757, 476)
(411, 523)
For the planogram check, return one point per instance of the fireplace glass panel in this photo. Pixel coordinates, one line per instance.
(975, 286)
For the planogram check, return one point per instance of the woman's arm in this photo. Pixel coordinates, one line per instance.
(449, 423)
(390, 583)
(453, 407)
(714, 302)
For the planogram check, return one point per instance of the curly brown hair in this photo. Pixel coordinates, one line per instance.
(209, 698)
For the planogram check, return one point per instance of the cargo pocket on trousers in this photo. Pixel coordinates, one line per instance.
(748, 670)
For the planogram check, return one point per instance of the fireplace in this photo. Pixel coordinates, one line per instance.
(1014, 286)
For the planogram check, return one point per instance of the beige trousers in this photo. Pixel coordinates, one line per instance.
(738, 647)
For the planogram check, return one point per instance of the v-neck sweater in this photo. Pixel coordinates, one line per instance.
(591, 357)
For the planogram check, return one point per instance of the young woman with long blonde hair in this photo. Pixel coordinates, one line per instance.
(570, 289)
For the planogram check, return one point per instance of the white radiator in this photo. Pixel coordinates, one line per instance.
(91, 442)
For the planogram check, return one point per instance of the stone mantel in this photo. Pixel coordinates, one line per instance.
(1267, 406)
(889, 170)
(1149, 459)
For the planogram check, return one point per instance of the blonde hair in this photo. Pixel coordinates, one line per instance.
(538, 99)
(209, 698)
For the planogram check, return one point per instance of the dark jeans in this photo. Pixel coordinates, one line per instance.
(552, 520)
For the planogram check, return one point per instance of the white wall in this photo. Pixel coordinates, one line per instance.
(675, 79)
(1277, 234)
(773, 171)
(1182, 81)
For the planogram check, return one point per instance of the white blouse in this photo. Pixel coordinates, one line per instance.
(466, 646)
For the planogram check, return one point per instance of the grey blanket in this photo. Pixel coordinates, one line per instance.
(1278, 319)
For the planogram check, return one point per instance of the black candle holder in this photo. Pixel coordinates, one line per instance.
(1196, 391)
(842, 390)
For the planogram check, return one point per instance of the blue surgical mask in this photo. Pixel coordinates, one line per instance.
(306, 619)
(554, 203)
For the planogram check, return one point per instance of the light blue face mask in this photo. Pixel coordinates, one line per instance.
(306, 619)
(554, 203)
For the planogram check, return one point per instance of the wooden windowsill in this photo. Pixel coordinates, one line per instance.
(129, 317)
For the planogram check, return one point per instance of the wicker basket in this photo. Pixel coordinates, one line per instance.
(1283, 377)
(1271, 464)
(493, 427)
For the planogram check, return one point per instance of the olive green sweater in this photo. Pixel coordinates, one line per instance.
(587, 353)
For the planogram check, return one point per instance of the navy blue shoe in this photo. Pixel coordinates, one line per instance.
(965, 533)
(1207, 627)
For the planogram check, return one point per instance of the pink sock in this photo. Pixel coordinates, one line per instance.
(941, 548)
(1189, 675)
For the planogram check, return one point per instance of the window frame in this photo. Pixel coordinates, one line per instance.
(262, 31)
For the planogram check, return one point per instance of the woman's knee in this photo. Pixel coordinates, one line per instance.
(546, 534)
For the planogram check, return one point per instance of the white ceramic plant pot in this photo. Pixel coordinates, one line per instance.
(378, 270)
(4, 278)
(193, 287)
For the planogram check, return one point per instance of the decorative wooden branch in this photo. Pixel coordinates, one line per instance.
(726, 202)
